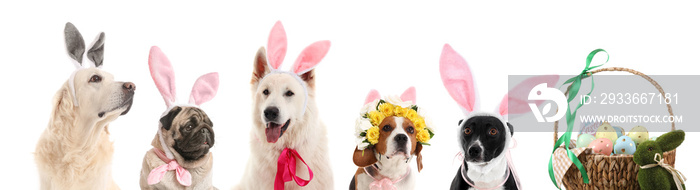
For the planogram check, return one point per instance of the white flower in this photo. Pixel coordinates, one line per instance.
(428, 122)
(371, 106)
(396, 100)
(361, 125)
(361, 145)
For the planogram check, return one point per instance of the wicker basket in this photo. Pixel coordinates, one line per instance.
(610, 172)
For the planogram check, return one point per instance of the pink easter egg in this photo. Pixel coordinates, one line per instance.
(601, 146)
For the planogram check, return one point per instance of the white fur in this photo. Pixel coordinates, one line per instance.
(306, 134)
(74, 152)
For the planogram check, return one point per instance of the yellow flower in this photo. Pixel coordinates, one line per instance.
(387, 109)
(373, 135)
(376, 117)
(400, 111)
(419, 122)
(411, 114)
(423, 136)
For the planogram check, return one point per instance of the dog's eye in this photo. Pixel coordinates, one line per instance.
(266, 92)
(95, 78)
(468, 130)
(289, 93)
(410, 130)
(386, 128)
(493, 131)
(188, 128)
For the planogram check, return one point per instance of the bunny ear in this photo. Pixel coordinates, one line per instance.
(311, 56)
(516, 101)
(373, 95)
(162, 74)
(205, 88)
(457, 78)
(96, 52)
(74, 43)
(276, 45)
(409, 95)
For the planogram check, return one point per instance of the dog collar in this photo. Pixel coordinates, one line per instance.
(384, 183)
(298, 79)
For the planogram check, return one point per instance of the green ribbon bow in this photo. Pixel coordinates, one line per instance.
(571, 117)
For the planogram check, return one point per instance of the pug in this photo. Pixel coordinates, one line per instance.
(180, 157)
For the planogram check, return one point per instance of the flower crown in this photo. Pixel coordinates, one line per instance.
(373, 113)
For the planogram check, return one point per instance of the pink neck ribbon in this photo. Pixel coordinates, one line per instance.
(385, 183)
(509, 169)
(286, 169)
(183, 176)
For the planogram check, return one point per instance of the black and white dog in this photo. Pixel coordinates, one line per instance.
(485, 137)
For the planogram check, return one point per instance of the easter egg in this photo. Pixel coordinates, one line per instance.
(639, 134)
(601, 146)
(625, 145)
(584, 140)
(652, 138)
(606, 131)
(619, 130)
(589, 127)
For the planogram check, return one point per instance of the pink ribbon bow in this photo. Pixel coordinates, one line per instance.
(183, 176)
(286, 169)
(384, 184)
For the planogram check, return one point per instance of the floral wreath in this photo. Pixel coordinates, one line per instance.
(373, 113)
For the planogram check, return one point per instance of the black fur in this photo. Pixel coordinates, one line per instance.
(352, 184)
(167, 120)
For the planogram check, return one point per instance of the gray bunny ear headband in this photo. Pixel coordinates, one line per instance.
(75, 45)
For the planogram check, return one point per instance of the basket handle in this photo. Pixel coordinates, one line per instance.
(620, 69)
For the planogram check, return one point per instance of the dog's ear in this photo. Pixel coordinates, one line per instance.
(167, 120)
(419, 157)
(510, 127)
(309, 77)
(260, 66)
(364, 159)
(74, 42)
(96, 52)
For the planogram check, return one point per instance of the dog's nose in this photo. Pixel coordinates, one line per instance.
(401, 139)
(130, 86)
(205, 131)
(474, 151)
(271, 113)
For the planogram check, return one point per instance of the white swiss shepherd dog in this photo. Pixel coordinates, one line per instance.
(285, 119)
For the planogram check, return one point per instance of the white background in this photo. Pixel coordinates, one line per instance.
(384, 45)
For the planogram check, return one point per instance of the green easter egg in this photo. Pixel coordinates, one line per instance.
(584, 140)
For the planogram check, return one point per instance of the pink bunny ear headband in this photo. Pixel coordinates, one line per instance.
(76, 49)
(376, 109)
(307, 60)
(204, 88)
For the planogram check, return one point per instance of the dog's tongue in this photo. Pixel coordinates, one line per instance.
(273, 132)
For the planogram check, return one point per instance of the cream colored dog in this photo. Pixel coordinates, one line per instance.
(74, 152)
(287, 140)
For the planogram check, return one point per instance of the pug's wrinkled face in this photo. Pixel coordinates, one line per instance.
(190, 130)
